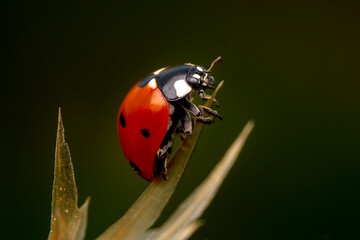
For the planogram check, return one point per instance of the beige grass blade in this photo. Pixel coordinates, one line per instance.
(187, 231)
(147, 208)
(68, 222)
(191, 209)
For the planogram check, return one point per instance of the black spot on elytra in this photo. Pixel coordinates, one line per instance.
(122, 120)
(145, 133)
(134, 167)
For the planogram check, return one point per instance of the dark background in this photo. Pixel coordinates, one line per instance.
(292, 67)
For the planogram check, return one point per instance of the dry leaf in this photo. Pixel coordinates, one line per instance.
(184, 218)
(68, 222)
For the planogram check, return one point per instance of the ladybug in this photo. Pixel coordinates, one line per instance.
(155, 108)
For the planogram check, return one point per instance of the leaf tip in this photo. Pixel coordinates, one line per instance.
(249, 126)
(59, 115)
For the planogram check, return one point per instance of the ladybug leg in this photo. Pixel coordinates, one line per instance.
(163, 168)
(192, 108)
(186, 122)
(164, 174)
(206, 97)
(211, 112)
(186, 125)
(160, 166)
(205, 120)
(167, 141)
(164, 148)
(208, 120)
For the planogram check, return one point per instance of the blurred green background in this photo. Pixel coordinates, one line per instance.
(292, 67)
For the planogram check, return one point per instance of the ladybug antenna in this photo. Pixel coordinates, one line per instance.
(218, 59)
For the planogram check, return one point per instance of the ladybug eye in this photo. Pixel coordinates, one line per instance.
(122, 120)
(145, 133)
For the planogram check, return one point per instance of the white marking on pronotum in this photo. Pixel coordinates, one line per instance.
(197, 76)
(159, 71)
(152, 83)
(199, 69)
(182, 88)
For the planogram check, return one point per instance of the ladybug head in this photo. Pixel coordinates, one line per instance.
(200, 78)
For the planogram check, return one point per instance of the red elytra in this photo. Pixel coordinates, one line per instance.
(142, 127)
